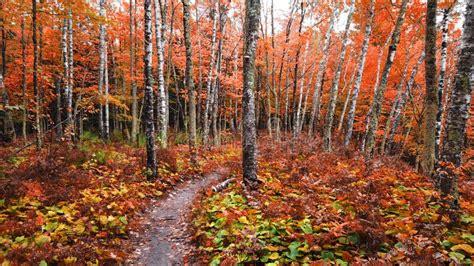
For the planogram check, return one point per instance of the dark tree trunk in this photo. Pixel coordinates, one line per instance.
(431, 97)
(149, 125)
(249, 138)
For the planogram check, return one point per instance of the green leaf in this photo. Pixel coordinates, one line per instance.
(307, 228)
(293, 247)
(216, 261)
(220, 222)
(43, 263)
(354, 238)
(123, 219)
(327, 255)
(456, 256)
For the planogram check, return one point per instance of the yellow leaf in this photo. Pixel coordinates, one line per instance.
(464, 247)
(103, 219)
(244, 220)
(274, 256)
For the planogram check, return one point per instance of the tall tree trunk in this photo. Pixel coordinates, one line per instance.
(133, 85)
(209, 87)
(217, 83)
(359, 74)
(379, 94)
(441, 78)
(275, 94)
(346, 101)
(65, 56)
(431, 97)
(376, 85)
(189, 81)
(296, 69)
(149, 125)
(70, 77)
(23, 84)
(39, 137)
(458, 112)
(161, 101)
(320, 75)
(299, 118)
(335, 85)
(106, 93)
(396, 101)
(249, 137)
(101, 68)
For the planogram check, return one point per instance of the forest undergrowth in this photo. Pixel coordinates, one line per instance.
(317, 207)
(79, 205)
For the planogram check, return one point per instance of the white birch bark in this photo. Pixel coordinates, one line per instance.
(161, 101)
(320, 74)
(335, 85)
(360, 74)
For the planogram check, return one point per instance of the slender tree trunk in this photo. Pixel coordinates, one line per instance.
(217, 83)
(70, 77)
(396, 101)
(65, 55)
(441, 79)
(161, 101)
(106, 94)
(189, 81)
(101, 68)
(320, 75)
(23, 85)
(275, 94)
(133, 85)
(346, 101)
(209, 88)
(377, 80)
(296, 69)
(299, 118)
(335, 85)
(249, 137)
(149, 125)
(431, 97)
(379, 94)
(39, 137)
(199, 113)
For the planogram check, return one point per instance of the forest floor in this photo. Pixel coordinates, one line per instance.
(92, 204)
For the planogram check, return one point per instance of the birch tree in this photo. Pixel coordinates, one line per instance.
(322, 68)
(149, 125)
(39, 141)
(249, 137)
(161, 101)
(209, 87)
(335, 85)
(101, 67)
(379, 93)
(23, 86)
(458, 112)
(132, 78)
(441, 77)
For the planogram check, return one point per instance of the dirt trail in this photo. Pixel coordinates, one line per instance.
(166, 240)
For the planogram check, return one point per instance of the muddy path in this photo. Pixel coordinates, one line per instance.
(165, 240)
